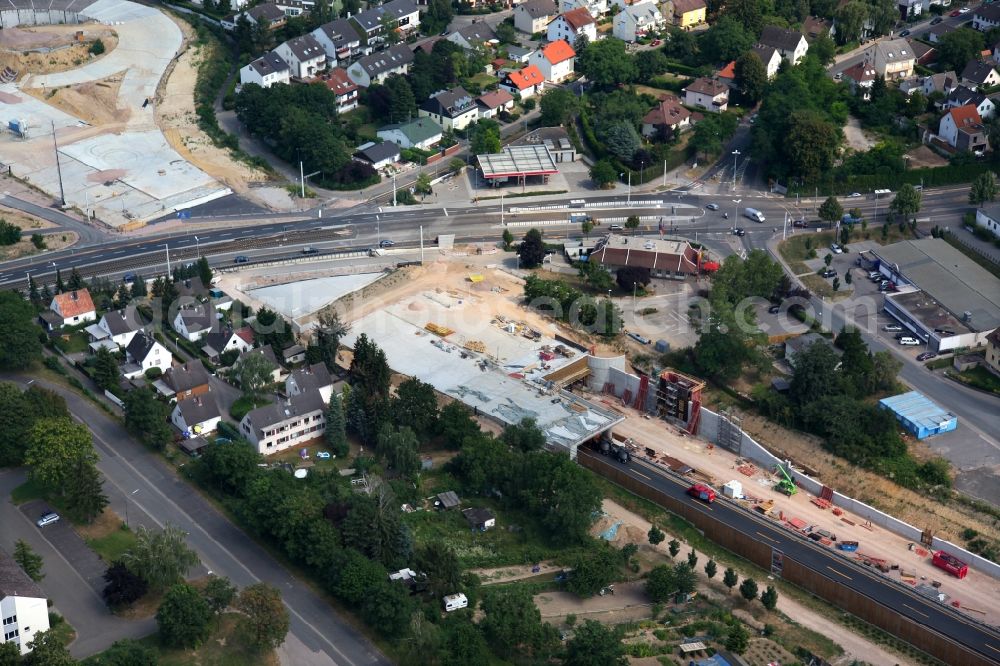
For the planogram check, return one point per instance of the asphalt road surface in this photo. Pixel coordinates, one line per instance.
(154, 489)
(935, 616)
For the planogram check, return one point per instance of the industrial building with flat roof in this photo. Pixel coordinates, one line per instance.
(518, 162)
(945, 298)
(919, 415)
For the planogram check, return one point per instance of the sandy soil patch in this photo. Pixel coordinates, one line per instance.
(922, 156)
(16, 46)
(30, 224)
(175, 115)
(856, 137)
(95, 102)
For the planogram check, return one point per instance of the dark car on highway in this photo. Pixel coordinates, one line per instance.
(739, 231)
(241, 259)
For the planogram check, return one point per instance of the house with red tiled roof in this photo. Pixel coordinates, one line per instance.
(709, 94)
(666, 119)
(728, 74)
(861, 76)
(493, 103)
(962, 128)
(72, 308)
(344, 90)
(555, 60)
(525, 82)
(572, 25)
(663, 258)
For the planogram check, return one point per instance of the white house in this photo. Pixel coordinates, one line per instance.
(572, 25)
(770, 57)
(791, 45)
(963, 96)
(532, 16)
(989, 218)
(452, 109)
(473, 36)
(314, 377)
(636, 21)
(709, 94)
(217, 343)
(417, 133)
(195, 416)
(493, 103)
(525, 82)
(378, 155)
(555, 61)
(962, 128)
(24, 609)
(399, 15)
(195, 321)
(980, 74)
(339, 39)
(266, 71)
(144, 353)
(377, 67)
(305, 56)
(73, 308)
(986, 17)
(286, 423)
(116, 328)
(596, 8)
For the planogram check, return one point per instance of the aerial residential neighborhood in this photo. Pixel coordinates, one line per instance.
(581, 332)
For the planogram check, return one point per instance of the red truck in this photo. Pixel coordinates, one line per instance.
(951, 564)
(702, 492)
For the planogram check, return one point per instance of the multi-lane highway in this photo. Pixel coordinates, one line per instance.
(935, 616)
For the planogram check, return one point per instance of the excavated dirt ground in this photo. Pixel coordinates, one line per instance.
(17, 45)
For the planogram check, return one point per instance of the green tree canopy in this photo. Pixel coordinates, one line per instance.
(146, 418)
(29, 561)
(906, 203)
(19, 334)
(55, 447)
(751, 77)
(265, 619)
(594, 644)
(727, 39)
(958, 47)
(559, 106)
(183, 617)
(831, 210)
(415, 406)
(161, 558)
(606, 63)
(511, 623)
(524, 436)
(532, 249)
(984, 189)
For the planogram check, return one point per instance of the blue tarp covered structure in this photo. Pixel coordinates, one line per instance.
(919, 415)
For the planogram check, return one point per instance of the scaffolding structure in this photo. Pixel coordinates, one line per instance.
(678, 399)
(730, 431)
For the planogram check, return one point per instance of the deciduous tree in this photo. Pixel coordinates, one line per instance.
(146, 418)
(655, 535)
(47, 649)
(84, 492)
(559, 106)
(440, 563)
(769, 598)
(751, 77)
(265, 618)
(55, 447)
(183, 617)
(252, 373)
(524, 436)
(606, 63)
(594, 644)
(660, 583)
(984, 189)
(906, 203)
(603, 173)
(730, 578)
(106, 373)
(748, 589)
(511, 621)
(456, 424)
(219, 593)
(831, 210)
(415, 406)
(127, 652)
(123, 587)
(229, 466)
(532, 249)
(161, 558)
(19, 344)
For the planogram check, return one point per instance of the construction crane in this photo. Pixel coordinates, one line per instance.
(785, 485)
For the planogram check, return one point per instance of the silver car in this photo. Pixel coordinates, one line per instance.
(47, 519)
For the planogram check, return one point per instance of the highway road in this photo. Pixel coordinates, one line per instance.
(933, 615)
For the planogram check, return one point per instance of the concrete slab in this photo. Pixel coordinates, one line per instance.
(301, 298)
(16, 105)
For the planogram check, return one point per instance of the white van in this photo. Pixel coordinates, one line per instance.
(753, 214)
(907, 341)
(453, 602)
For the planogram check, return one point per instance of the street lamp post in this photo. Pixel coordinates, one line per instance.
(737, 213)
(634, 285)
(736, 156)
(501, 208)
(622, 175)
(197, 247)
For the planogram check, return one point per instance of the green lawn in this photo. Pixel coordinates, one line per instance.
(483, 80)
(61, 628)
(981, 378)
(27, 491)
(111, 546)
(244, 405)
(795, 252)
(73, 343)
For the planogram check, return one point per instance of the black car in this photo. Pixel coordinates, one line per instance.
(386, 243)
(905, 33)
(926, 356)
(739, 231)
(309, 250)
(799, 223)
(241, 259)
(828, 273)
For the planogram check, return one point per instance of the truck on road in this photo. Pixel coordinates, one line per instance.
(702, 492)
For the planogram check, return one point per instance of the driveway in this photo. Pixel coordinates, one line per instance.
(70, 587)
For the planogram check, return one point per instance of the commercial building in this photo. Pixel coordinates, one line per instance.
(674, 259)
(989, 219)
(23, 606)
(517, 162)
(921, 417)
(944, 298)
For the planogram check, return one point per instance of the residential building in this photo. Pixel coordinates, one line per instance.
(943, 82)
(556, 61)
(910, 8)
(378, 155)
(473, 36)
(769, 56)
(268, 354)
(73, 308)
(339, 39)
(596, 8)
(987, 16)
(532, 16)
(962, 128)
(572, 25)
(936, 32)
(992, 356)
(196, 416)
(728, 74)
(453, 109)
(923, 53)
(980, 74)
(116, 328)
(310, 378)
(493, 103)
(709, 94)
(791, 45)
(23, 606)
(376, 68)
(145, 353)
(417, 133)
(893, 59)
(861, 77)
(286, 423)
(666, 119)
(996, 53)
(689, 13)
(798, 344)
(195, 321)
(187, 380)
(989, 218)
(814, 27)
(268, 70)
(268, 14)
(399, 15)
(345, 91)
(636, 21)
(305, 56)
(519, 54)
(524, 83)
(963, 96)
(664, 258)
(293, 354)
(216, 343)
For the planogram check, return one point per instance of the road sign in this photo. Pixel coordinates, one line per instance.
(777, 562)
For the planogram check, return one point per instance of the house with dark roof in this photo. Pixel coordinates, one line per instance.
(293, 354)
(187, 380)
(493, 103)
(987, 16)
(286, 423)
(73, 308)
(523, 83)
(943, 82)
(345, 91)
(668, 117)
(964, 96)
(572, 25)
(217, 343)
(195, 321)
(339, 39)
(479, 518)
(23, 606)
(453, 109)
(770, 57)
(377, 67)
(936, 32)
(313, 377)
(556, 61)
(532, 16)
(636, 21)
(791, 45)
(689, 13)
(709, 94)
(196, 416)
(145, 353)
(861, 77)
(962, 128)
(664, 258)
(473, 36)
(417, 133)
(980, 73)
(596, 8)
(378, 155)
(305, 56)
(266, 71)
(116, 328)
(399, 15)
